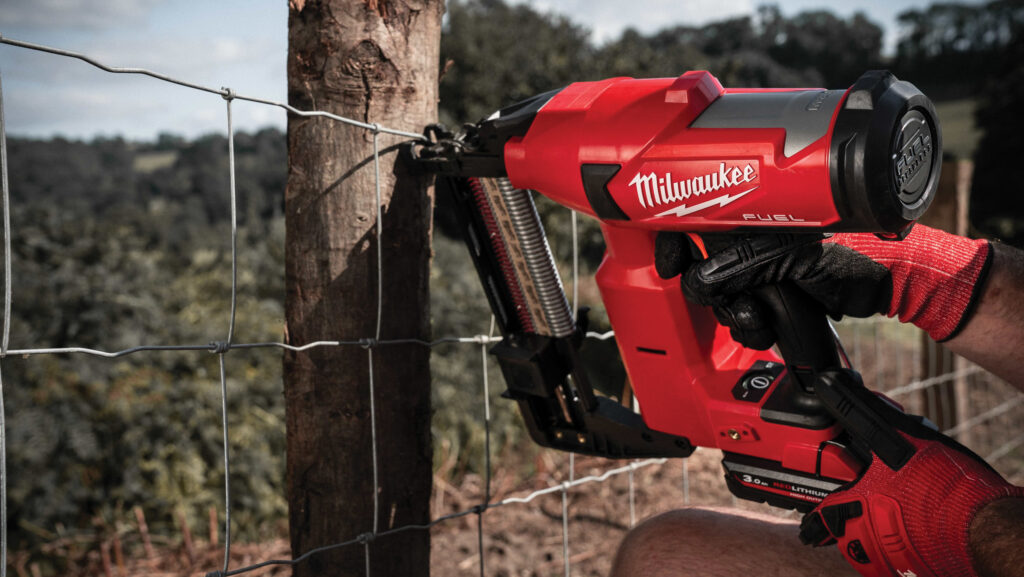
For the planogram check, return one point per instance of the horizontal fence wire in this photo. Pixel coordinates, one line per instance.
(933, 381)
(223, 92)
(216, 346)
(223, 348)
(1001, 409)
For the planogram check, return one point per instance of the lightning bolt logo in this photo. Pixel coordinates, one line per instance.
(683, 210)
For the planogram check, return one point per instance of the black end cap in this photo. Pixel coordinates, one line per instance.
(885, 155)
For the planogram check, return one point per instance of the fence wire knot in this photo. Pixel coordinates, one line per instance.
(227, 93)
(368, 343)
(366, 538)
(219, 347)
(479, 509)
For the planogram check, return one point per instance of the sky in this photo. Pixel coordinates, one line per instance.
(240, 44)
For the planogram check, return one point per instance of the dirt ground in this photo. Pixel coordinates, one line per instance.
(519, 539)
(527, 540)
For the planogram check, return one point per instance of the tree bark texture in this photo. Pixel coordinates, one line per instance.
(375, 61)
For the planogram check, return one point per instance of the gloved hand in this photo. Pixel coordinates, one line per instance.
(928, 279)
(909, 512)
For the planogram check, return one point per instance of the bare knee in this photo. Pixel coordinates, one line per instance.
(721, 542)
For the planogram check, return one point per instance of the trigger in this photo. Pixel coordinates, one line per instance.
(698, 242)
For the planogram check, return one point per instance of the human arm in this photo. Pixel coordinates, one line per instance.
(995, 538)
(993, 337)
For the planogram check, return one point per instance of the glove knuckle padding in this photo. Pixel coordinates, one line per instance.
(742, 267)
(847, 282)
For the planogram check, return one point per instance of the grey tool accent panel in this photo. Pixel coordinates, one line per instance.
(804, 114)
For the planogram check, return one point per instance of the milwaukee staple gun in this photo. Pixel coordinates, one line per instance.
(768, 168)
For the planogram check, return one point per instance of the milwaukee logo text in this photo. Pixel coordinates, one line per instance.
(654, 190)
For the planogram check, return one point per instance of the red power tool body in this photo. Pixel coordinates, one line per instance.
(684, 154)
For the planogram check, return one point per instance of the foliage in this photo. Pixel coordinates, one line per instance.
(494, 54)
(996, 203)
(109, 257)
(500, 54)
(953, 49)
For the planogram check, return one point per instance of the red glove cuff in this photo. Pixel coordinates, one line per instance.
(936, 276)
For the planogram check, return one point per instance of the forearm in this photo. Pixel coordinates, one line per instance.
(996, 540)
(994, 335)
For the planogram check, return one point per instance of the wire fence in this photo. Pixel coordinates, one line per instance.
(885, 352)
(222, 348)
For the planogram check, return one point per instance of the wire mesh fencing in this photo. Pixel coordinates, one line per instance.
(964, 401)
(981, 411)
(224, 347)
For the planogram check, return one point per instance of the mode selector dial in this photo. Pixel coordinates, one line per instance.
(753, 385)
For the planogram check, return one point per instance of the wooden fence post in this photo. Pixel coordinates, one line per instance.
(375, 61)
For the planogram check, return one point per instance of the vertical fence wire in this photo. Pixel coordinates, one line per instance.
(223, 350)
(485, 372)
(632, 496)
(376, 338)
(7, 332)
(487, 454)
(487, 426)
(234, 219)
(3, 477)
(686, 482)
(565, 527)
(574, 220)
(227, 463)
(7, 227)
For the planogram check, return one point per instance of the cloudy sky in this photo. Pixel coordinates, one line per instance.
(240, 44)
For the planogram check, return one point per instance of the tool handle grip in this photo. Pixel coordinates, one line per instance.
(805, 339)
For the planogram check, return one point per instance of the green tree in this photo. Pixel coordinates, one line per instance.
(997, 208)
(494, 55)
(838, 49)
(952, 49)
